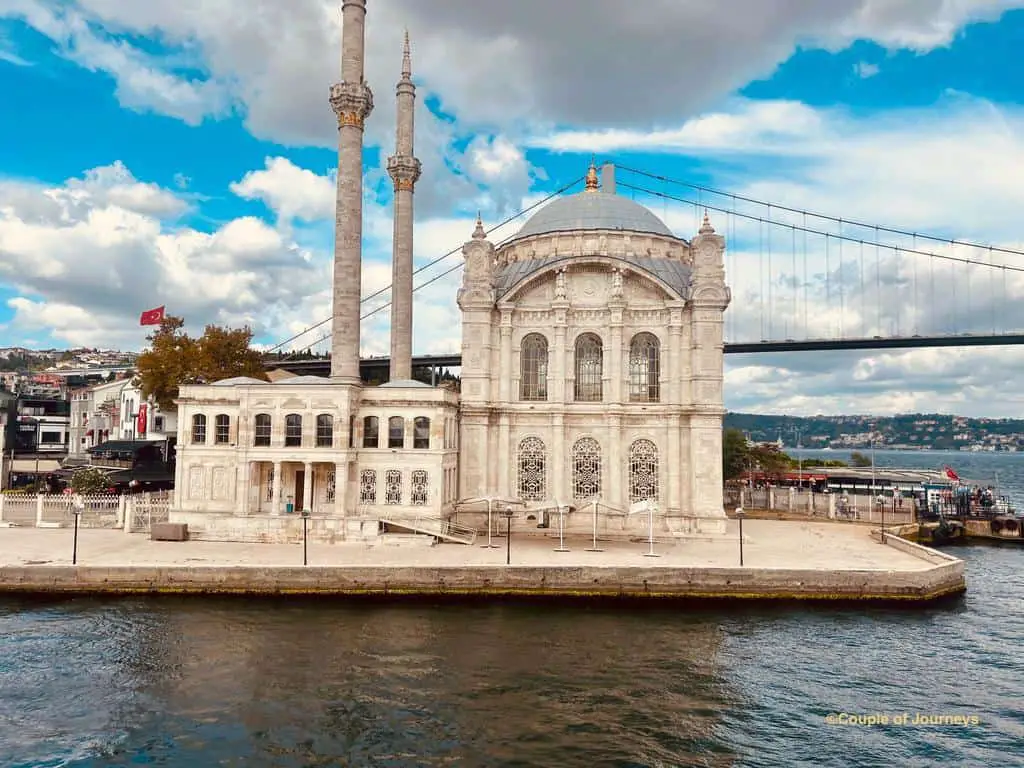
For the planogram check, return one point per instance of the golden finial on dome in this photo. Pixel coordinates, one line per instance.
(479, 233)
(592, 183)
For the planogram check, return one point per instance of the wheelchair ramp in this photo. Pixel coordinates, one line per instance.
(445, 530)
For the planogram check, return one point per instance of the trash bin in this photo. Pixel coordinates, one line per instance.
(289, 508)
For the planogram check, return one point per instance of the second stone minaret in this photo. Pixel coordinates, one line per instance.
(352, 101)
(404, 169)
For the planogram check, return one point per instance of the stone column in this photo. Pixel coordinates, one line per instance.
(404, 170)
(613, 368)
(504, 453)
(341, 489)
(558, 460)
(307, 488)
(275, 496)
(556, 371)
(670, 467)
(617, 493)
(505, 381)
(352, 101)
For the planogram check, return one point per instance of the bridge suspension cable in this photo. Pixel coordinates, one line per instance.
(700, 189)
(426, 266)
(832, 235)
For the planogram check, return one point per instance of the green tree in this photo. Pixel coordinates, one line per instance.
(174, 358)
(858, 459)
(734, 454)
(89, 481)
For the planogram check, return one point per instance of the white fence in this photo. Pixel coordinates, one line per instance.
(863, 507)
(128, 513)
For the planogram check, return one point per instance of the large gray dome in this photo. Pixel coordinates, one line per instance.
(593, 210)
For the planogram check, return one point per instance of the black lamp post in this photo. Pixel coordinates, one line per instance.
(508, 535)
(739, 516)
(74, 545)
(305, 537)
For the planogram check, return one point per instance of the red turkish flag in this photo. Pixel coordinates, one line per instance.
(152, 316)
(951, 474)
(140, 421)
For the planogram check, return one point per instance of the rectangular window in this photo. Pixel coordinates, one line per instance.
(51, 438)
(222, 429)
(324, 430)
(261, 438)
(420, 487)
(368, 486)
(158, 423)
(396, 432)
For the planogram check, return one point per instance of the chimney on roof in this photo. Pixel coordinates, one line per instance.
(608, 178)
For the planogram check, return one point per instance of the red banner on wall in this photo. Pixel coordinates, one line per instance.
(140, 422)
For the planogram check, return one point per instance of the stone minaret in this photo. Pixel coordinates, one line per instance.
(405, 171)
(352, 101)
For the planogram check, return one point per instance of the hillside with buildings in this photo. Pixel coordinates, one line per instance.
(913, 431)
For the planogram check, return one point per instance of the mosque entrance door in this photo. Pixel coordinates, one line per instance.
(300, 490)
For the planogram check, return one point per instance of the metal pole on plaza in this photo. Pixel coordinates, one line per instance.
(489, 544)
(305, 537)
(594, 548)
(739, 516)
(561, 529)
(508, 537)
(650, 530)
(74, 545)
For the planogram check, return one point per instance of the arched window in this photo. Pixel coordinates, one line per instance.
(324, 430)
(396, 432)
(198, 429)
(421, 433)
(371, 429)
(532, 461)
(533, 368)
(644, 368)
(293, 430)
(586, 469)
(222, 429)
(643, 471)
(261, 433)
(589, 359)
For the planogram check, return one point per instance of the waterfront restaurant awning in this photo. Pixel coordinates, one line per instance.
(30, 466)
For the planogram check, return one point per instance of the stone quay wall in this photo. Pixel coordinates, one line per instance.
(946, 578)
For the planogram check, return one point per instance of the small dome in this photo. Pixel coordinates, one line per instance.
(404, 383)
(238, 381)
(304, 380)
(593, 210)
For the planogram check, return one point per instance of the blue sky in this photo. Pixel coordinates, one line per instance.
(151, 154)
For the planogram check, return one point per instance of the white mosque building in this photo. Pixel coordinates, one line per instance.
(592, 371)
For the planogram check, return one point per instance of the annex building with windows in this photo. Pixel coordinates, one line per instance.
(592, 373)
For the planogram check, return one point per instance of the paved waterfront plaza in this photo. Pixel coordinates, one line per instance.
(767, 544)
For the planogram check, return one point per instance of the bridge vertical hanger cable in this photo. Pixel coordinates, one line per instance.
(842, 292)
(863, 295)
(806, 327)
(896, 300)
(791, 324)
(878, 291)
(770, 276)
(970, 315)
(760, 272)
(916, 308)
(992, 289)
(952, 305)
(828, 285)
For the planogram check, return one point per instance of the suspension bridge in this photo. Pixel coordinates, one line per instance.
(801, 280)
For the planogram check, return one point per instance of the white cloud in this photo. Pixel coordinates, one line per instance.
(289, 191)
(865, 69)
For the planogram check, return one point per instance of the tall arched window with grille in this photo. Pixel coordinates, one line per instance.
(589, 368)
(586, 469)
(532, 461)
(643, 471)
(644, 368)
(533, 368)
